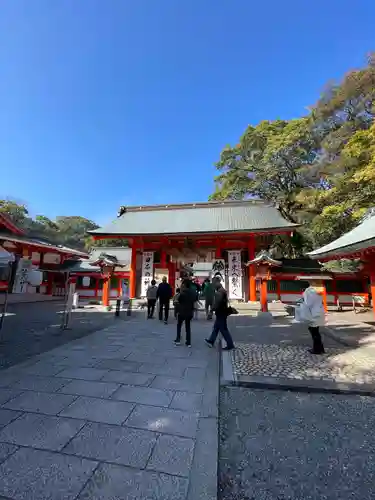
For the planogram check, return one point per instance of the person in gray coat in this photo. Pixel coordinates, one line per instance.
(152, 291)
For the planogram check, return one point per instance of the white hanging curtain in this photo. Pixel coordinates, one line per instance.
(235, 274)
(5, 257)
(147, 271)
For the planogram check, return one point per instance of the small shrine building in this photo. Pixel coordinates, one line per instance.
(32, 253)
(359, 243)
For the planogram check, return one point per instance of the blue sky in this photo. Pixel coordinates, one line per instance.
(116, 102)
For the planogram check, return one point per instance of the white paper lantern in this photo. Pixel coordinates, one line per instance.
(86, 281)
(35, 277)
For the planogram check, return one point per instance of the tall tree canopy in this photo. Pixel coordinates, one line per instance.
(319, 169)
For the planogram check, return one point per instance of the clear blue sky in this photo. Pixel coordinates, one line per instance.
(110, 102)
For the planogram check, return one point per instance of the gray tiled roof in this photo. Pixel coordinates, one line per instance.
(210, 217)
(359, 238)
(122, 254)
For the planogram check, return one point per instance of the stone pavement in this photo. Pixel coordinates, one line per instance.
(119, 414)
(276, 355)
(31, 329)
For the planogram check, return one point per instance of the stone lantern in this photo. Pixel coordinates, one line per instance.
(263, 264)
(107, 264)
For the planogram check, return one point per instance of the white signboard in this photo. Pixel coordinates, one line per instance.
(218, 268)
(235, 274)
(147, 271)
(21, 278)
(160, 273)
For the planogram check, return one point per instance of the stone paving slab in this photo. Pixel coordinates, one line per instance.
(112, 482)
(118, 412)
(172, 455)
(143, 395)
(41, 431)
(166, 420)
(110, 443)
(40, 402)
(90, 388)
(98, 410)
(6, 450)
(42, 475)
(40, 384)
(141, 379)
(7, 416)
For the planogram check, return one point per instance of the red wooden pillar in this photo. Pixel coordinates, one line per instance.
(218, 249)
(278, 288)
(133, 271)
(324, 297)
(263, 296)
(163, 259)
(106, 289)
(49, 289)
(251, 270)
(372, 285)
(172, 275)
(335, 294)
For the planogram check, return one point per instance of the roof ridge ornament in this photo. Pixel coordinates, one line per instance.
(122, 211)
(369, 214)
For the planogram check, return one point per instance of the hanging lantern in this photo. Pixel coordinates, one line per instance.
(35, 277)
(263, 272)
(86, 281)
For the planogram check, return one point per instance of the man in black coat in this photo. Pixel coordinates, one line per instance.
(164, 294)
(221, 311)
(186, 301)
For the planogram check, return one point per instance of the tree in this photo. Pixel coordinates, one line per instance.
(17, 212)
(267, 163)
(318, 170)
(343, 120)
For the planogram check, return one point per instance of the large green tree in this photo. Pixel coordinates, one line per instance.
(319, 170)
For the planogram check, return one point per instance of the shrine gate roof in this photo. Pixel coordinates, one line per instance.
(209, 217)
(355, 241)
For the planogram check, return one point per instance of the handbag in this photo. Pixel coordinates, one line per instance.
(231, 310)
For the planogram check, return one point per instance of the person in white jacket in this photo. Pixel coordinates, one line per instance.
(312, 312)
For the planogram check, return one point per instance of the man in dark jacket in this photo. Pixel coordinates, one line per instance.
(164, 294)
(221, 310)
(186, 301)
(208, 294)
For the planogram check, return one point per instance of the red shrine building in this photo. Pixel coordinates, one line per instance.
(357, 244)
(31, 253)
(223, 235)
(207, 237)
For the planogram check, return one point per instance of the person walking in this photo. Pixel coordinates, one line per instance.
(151, 295)
(164, 294)
(186, 301)
(208, 294)
(221, 311)
(312, 312)
(175, 302)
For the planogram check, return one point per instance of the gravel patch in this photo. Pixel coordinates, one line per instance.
(277, 445)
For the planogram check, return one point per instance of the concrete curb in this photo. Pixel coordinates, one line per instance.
(310, 386)
(330, 332)
(32, 300)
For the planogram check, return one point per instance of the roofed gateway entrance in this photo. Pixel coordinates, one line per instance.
(166, 238)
